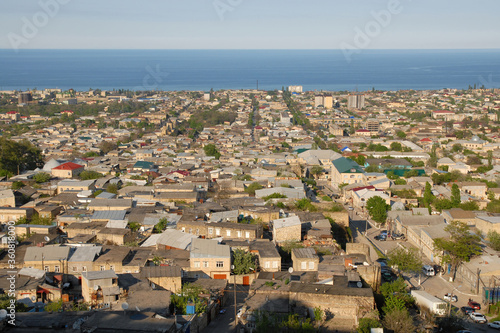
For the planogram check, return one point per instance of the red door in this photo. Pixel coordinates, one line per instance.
(246, 280)
(219, 276)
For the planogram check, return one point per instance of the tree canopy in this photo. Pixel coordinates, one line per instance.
(377, 208)
(460, 247)
(16, 157)
(244, 262)
(211, 150)
(407, 260)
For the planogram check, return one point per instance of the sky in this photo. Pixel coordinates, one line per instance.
(249, 24)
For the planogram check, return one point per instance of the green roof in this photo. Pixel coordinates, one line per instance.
(143, 165)
(345, 165)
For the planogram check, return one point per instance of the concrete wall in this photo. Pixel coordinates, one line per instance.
(359, 248)
(341, 218)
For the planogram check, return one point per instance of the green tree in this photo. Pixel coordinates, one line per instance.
(134, 226)
(407, 260)
(428, 196)
(54, 306)
(410, 173)
(377, 208)
(250, 189)
(112, 188)
(401, 135)
(189, 293)
(460, 247)
(366, 324)
(16, 157)
(42, 177)
(86, 175)
(211, 150)
(455, 195)
(244, 262)
(494, 240)
(5, 302)
(161, 225)
(399, 321)
(107, 146)
(17, 185)
(316, 171)
(396, 146)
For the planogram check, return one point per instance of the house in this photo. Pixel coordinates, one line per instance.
(269, 257)
(291, 193)
(287, 229)
(7, 198)
(50, 258)
(346, 171)
(110, 204)
(76, 185)
(166, 277)
(82, 259)
(264, 213)
(305, 259)
(84, 228)
(100, 287)
(67, 170)
(116, 236)
(359, 198)
(112, 258)
(14, 213)
(211, 258)
(460, 215)
(221, 229)
(143, 166)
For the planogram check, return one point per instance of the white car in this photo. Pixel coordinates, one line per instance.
(477, 317)
(450, 298)
(494, 324)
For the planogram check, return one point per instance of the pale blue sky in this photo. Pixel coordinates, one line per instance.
(249, 24)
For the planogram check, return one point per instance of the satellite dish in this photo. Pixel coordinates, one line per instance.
(232, 266)
(96, 287)
(3, 314)
(125, 306)
(290, 270)
(359, 285)
(46, 238)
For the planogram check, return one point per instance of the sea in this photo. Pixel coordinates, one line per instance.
(202, 70)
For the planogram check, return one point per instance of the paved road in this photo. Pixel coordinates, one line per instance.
(225, 322)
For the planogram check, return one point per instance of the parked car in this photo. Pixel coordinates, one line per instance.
(383, 232)
(450, 298)
(477, 317)
(466, 310)
(428, 270)
(380, 237)
(387, 276)
(495, 324)
(474, 305)
(396, 236)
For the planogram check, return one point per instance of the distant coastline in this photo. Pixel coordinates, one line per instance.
(240, 69)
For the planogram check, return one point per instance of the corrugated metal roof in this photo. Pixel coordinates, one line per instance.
(109, 215)
(85, 253)
(97, 275)
(48, 252)
(308, 253)
(176, 239)
(206, 248)
(286, 222)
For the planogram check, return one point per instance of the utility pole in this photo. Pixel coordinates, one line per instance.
(235, 305)
(477, 282)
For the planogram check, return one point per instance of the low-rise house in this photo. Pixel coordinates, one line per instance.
(460, 215)
(287, 229)
(84, 228)
(346, 171)
(82, 259)
(14, 213)
(269, 257)
(166, 277)
(305, 259)
(111, 258)
(221, 229)
(211, 258)
(100, 287)
(7, 198)
(50, 258)
(110, 204)
(264, 213)
(116, 236)
(67, 170)
(75, 185)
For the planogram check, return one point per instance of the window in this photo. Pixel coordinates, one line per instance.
(228, 233)
(103, 268)
(217, 232)
(267, 265)
(210, 231)
(239, 234)
(75, 269)
(275, 264)
(84, 268)
(311, 265)
(56, 269)
(183, 229)
(205, 264)
(112, 267)
(46, 268)
(190, 230)
(197, 264)
(303, 265)
(219, 264)
(247, 234)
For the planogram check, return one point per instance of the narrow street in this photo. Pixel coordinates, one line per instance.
(225, 322)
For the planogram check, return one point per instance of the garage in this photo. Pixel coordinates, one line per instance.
(219, 276)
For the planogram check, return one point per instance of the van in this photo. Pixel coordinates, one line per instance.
(428, 270)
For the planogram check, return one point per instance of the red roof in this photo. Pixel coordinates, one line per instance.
(370, 187)
(12, 112)
(68, 166)
(426, 140)
(182, 172)
(362, 130)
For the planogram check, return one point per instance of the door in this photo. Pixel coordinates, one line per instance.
(219, 276)
(246, 280)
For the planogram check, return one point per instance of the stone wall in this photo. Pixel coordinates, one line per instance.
(341, 218)
(359, 248)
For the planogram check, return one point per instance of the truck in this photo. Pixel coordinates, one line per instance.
(425, 300)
